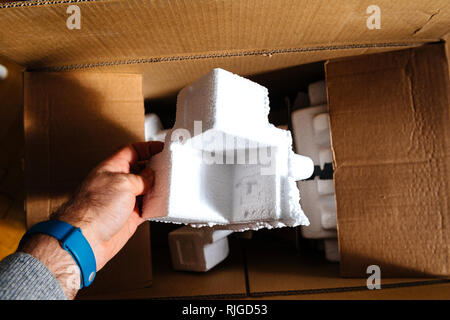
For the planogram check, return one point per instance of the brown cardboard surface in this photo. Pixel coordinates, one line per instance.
(389, 117)
(168, 77)
(225, 280)
(12, 214)
(34, 33)
(437, 291)
(72, 122)
(447, 50)
(275, 269)
(130, 269)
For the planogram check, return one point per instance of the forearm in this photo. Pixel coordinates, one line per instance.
(49, 251)
(104, 208)
(24, 277)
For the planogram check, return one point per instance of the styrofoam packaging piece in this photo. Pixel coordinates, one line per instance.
(312, 138)
(224, 164)
(313, 205)
(317, 93)
(161, 136)
(3, 72)
(328, 219)
(153, 126)
(301, 101)
(198, 249)
(332, 250)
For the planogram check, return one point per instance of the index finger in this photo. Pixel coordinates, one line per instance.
(128, 156)
(147, 149)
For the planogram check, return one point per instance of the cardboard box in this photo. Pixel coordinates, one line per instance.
(170, 44)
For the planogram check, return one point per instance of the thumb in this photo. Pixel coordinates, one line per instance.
(142, 182)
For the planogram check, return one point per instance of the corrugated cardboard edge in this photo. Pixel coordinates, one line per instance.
(16, 4)
(227, 54)
(345, 289)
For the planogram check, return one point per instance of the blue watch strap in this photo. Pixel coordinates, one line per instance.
(73, 241)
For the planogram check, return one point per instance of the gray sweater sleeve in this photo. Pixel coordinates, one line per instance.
(23, 277)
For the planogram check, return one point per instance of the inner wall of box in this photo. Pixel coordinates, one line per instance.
(283, 86)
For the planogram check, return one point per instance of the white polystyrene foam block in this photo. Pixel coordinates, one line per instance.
(153, 126)
(3, 72)
(328, 212)
(317, 93)
(223, 163)
(332, 250)
(160, 136)
(301, 101)
(309, 140)
(198, 249)
(320, 123)
(311, 202)
(312, 138)
(325, 156)
(325, 187)
(298, 164)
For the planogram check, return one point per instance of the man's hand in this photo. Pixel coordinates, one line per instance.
(106, 206)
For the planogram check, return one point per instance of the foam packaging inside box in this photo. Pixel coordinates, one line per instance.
(331, 249)
(312, 138)
(223, 163)
(317, 93)
(198, 249)
(154, 130)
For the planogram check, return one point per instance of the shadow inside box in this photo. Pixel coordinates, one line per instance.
(73, 121)
(273, 268)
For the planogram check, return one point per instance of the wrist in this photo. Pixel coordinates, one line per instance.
(49, 251)
(86, 229)
(76, 218)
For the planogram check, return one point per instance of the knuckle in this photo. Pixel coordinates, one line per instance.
(122, 181)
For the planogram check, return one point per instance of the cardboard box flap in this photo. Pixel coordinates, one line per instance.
(72, 122)
(390, 128)
(167, 78)
(34, 33)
